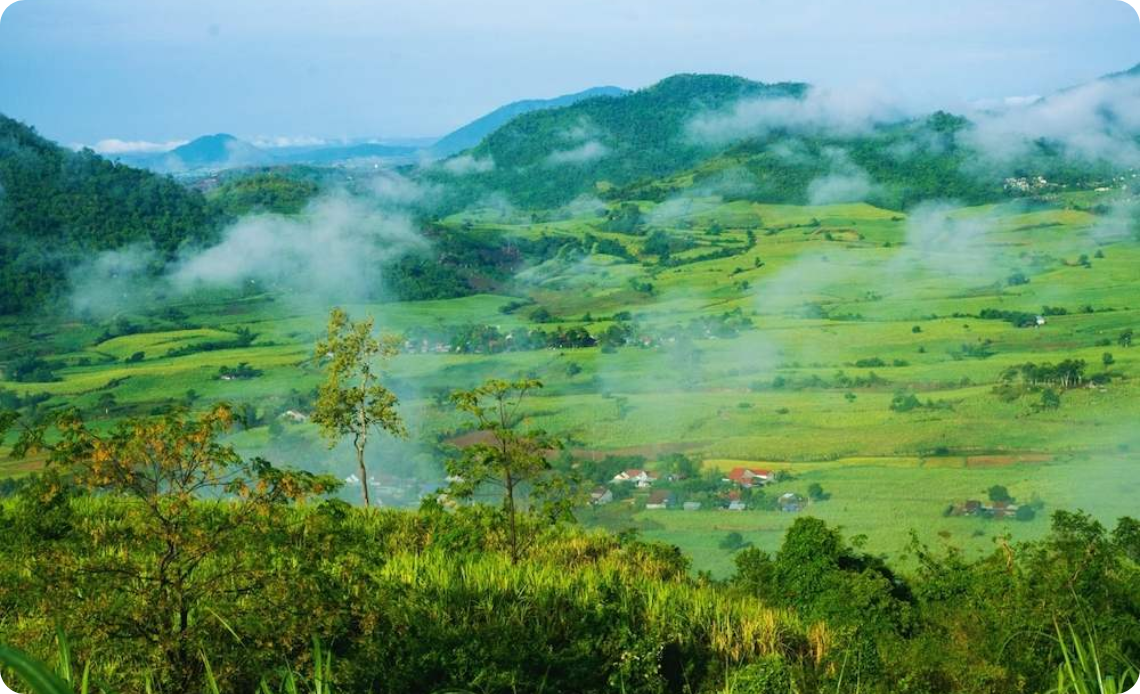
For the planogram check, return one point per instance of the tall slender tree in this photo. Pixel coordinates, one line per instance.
(511, 457)
(352, 401)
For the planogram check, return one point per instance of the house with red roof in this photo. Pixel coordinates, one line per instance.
(749, 476)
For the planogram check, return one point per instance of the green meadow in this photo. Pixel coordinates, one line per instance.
(849, 307)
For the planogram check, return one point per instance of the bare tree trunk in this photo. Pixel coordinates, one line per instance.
(363, 470)
(512, 526)
(361, 440)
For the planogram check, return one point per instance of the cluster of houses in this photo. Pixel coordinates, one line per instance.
(992, 509)
(741, 479)
(426, 346)
(392, 489)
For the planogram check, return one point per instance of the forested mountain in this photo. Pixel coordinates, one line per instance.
(473, 133)
(892, 166)
(548, 157)
(57, 206)
(782, 143)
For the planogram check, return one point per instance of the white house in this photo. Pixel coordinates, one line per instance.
(601, 496)
(642, 478)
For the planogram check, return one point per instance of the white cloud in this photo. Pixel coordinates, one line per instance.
(467, 164)
(286, 141)
(334, 251)
(845, 182)
(582, 154)
(836, 112)
(1095, 121)
(113, 146)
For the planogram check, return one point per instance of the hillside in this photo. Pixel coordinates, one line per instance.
(792, 144)
(548, 157)
(59, 206)
(473, 133)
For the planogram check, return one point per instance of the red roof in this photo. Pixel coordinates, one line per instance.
(743, 474)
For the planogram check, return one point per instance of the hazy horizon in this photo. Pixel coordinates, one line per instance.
(82, 71)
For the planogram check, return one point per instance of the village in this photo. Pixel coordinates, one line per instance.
(739, 489)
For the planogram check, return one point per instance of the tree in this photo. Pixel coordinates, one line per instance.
(1050, 400)
(998, 493)
(733, 541)
(106, 402)
(1107, 359)
(815, 492)
(185, 507)
(509, 457)
(352, 401)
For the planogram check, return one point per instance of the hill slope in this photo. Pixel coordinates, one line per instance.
(473, 133)
(548, 157)
(58, 205)
(785, 143)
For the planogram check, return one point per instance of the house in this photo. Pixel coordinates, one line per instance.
(294, 416)
(749, 476)
(642, 478)
(601, 496)
(691, 506)
(1000, 509)
(659, 499)
(791, 503)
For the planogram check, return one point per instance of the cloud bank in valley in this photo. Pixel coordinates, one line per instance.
(333, 252)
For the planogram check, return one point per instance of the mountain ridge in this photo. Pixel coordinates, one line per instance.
(471, 134)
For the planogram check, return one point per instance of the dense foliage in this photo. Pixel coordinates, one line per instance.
(124, 545)
(283, 191)
(57, 206)
(642, 135)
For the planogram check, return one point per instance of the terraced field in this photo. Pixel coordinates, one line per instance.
(837, 312)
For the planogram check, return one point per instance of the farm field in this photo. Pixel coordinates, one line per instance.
(780, 337)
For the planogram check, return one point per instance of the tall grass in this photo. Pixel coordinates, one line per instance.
(1085, 670)
(42, 680)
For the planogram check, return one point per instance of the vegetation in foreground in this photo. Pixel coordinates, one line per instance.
(158, 581)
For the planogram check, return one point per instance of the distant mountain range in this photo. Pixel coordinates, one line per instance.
(223, 151)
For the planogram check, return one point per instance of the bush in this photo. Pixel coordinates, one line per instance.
(769, 676)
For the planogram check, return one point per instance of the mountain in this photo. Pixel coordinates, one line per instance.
(546, 158)
(58, 206)
(716, 135)
(217, 152)
(473, 133)
(207, 153)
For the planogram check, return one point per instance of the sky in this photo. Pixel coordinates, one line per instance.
(160, 71)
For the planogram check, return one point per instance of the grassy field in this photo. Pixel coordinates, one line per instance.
(834, 294)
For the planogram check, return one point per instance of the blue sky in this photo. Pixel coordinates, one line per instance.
(82, 71)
